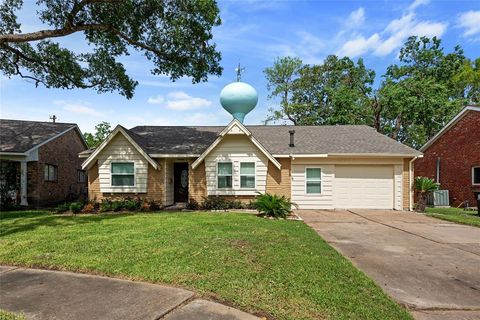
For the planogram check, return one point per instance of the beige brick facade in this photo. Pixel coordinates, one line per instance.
(407, 187)
(197, 182)
(279, 181)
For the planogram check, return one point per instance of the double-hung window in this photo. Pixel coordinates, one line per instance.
(81, 176)
(247, 175)
(123, 174)
(50, 172)
(313, 180)
(224, 175)
(476, 175)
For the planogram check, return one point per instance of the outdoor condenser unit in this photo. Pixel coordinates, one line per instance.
(438, 198)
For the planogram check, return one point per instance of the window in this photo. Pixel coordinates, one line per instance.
(224, 175)
(81, 176)
(50, 172)
(313, 183)
(247, 175)
(123, 174)
(476, 175)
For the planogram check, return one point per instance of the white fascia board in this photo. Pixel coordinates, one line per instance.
(118, 129)
(224, 132)
(457, 118)
(167, 155)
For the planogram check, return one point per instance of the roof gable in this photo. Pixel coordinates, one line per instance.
(119, 130)
(19, 136)
(236, 128)
(449, 125)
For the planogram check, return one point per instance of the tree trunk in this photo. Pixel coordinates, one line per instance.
(422, 202)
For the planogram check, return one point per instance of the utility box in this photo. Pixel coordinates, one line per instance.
(438, 198)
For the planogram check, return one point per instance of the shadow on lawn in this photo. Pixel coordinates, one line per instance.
(20, 221)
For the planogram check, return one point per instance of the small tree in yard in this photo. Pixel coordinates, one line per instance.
(424, 186)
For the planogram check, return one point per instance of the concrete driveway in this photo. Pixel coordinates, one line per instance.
(429, 265)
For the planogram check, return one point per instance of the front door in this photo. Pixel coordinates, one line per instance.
(180, 182)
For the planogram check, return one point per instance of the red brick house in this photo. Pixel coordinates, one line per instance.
(39, 162)
(452, 157)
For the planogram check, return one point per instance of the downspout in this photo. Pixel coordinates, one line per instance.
(410, 169)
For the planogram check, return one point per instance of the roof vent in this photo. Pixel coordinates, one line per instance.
(292, 138)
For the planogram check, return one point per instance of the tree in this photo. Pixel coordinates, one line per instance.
(174, 35)
(338, 91)
(424, 186)
(102, 130)
(420, 95)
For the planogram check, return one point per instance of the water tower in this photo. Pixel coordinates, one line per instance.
(238, 98)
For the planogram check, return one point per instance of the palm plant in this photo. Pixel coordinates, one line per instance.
(273, 205)
(424, 186)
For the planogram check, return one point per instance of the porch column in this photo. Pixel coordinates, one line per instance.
(23, 183)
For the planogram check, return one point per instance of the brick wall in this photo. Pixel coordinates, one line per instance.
(197, 183)
(279, 181)
(155, 185)
(63, 153)
(458, 150)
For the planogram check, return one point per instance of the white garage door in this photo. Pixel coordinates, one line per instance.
(363, 187)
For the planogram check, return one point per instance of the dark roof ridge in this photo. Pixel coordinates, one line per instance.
(35, 121)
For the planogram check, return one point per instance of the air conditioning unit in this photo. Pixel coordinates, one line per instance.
(438, 198)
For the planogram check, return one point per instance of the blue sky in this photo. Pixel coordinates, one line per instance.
(254, 33)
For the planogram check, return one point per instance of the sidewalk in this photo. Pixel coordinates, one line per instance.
(42, 294)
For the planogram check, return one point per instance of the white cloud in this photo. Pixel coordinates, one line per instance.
(78, 108)
(180, 101)
(418, 3)
(393, 35)
(357, 17)
(470, 22)
(156, 100)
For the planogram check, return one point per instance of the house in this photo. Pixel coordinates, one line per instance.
(39, 161)
(452, 157)
(318, 167)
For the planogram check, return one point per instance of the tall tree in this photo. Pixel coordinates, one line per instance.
(420, 95)
(338, 91)
(102, 130)
(175, 35)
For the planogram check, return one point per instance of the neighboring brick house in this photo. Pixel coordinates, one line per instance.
(41, 159)
(318, 167)
(452, 157)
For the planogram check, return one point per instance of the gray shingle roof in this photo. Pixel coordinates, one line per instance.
(308, 139)
(21, 136)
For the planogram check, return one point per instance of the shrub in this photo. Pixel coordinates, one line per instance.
(193, 205)
(117, 205)
(75, 207)
(155, 206)
(215, 203)
(62, 208)
(272, 205)
(424, 186)
(105, 205)
(131, 205)
(89, 208)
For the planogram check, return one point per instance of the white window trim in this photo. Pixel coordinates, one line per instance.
(247, 175)
(321, 181)
(473, 176)
(231, 175)
(124, 174)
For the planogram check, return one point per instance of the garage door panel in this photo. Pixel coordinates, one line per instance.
(363, 187)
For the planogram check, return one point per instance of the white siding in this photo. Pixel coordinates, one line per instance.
(236, 149)
(312, 201)
(330, 165)
(121, 150)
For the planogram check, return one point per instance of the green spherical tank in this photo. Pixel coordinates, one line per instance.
(238, 98)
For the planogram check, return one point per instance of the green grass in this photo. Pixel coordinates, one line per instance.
(455, 215)
(5, 315)
(277, 268)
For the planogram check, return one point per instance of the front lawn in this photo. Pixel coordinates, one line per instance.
(455, 215)
(276, 268)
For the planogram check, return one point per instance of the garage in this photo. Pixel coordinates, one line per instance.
(367, 186)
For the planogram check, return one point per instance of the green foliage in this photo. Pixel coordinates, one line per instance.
(102, 130)
(105, 205)
(334, 92)
(175, 36)
(76, 207)
(423, 186)
(272, 205)
(220, 203)
(416, 98)
(128, 204)
(64, 207)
